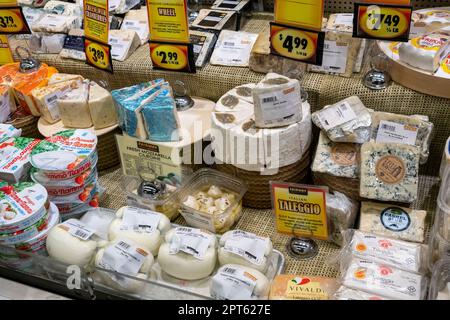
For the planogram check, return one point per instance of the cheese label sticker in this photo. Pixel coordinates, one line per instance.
(303, 288)
(336, 115)
(279, 105)
(446, 65)
(344, 154)
(247, 245)
(390, 169)
(431, 42)
(305, 13)
(96, 20)
(77, 229)
(297, 44)
(140, 220)
(232, 283)
(191, 241)
(382, 22)
(168, 20)
(172, 56)
(396, 133)
(300, 210)
(12, 21)
(395, 219)
(334, 57)
(98, 55)
(5, 52)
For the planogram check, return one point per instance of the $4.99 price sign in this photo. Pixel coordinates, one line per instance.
(172, 56)
(296, 43)
(98, 54)
(13, 21)
(383, 22)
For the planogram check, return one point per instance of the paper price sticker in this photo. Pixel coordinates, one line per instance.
(98, 55)
(383, 22)
(300, 210)
(5, 51)
(297, 44)
(12, 21)
(172, 57)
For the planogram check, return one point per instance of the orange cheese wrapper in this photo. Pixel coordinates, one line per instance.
(297, 287)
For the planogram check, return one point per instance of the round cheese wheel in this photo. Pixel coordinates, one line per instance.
(64, 247)
(169, 235)
(164, 223)
(230, 234)
(145, 268)
(184, 266)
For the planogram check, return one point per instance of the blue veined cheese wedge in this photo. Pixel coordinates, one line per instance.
(128, 101)
(161, 118)
(389, 172)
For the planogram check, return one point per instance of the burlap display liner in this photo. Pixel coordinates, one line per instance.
(28, 124)
(108, 155)
(347, 186)
(258, 193)
(262, 222)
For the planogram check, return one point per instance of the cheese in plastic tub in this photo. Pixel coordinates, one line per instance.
(212, 200)
(65, 154)
(440, 281)
(21, 206)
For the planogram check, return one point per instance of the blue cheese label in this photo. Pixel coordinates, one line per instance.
(395, 219)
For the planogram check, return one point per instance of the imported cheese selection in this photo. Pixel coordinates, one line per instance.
(393, 221)
(137, 20)
(7, 103)
(346, 121)
(56, 23)
(389, 172)
(233, 48)
(429, 20)
(341, 213)
(123, 43)
(73, 107)
(101, 106)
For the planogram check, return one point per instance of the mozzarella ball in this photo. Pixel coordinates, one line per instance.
(226, 257)
(214, 191)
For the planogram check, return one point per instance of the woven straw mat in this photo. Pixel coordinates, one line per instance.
(262, 222)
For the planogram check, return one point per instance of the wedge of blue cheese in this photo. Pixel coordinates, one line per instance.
(346, 121)
(389, 172)
(398, 128)
(336, 158)
(393, 221)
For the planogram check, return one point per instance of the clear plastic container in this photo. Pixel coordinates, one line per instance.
(217, 221)
(445, 163)
(168, 205)
(440, 281)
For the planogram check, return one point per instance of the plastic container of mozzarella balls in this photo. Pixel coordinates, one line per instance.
(212, 200)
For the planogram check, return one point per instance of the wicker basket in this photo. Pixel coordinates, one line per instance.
(29, 127)
(347, 186)
(258, 193)
(108, 155)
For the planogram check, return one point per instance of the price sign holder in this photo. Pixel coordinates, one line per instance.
(5, 51)
(382, 21)
(12, 21)
(172, 56)
(168, 20)
(304, 13)
(98, 54)
(297, 43)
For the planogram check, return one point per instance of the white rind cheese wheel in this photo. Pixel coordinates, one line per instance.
(226, 257)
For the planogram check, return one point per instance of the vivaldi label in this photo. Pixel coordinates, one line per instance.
(395, 219)
(305, 289)
(390, 169)
(344, 154)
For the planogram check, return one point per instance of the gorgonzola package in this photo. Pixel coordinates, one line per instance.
(342, 212)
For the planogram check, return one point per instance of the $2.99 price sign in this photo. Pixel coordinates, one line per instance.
(383, 22)
(98, 54)
(296, 43)
(13, 21)
(172, 56)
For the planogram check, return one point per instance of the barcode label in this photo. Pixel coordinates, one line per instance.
(191, 241)
(229, 44)
(77, 229)
(229, 270)
(184, 229)
(336, 115)
(124, 245)
(232, 283)
(80, 234)
(388, 127)
(52, 99)
(392, 132)
(269, 100)
(247, 245)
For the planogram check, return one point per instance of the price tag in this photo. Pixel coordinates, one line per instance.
(96, 20)
(300, 210)
(172, 56)
(12, 21)
(383, 22)
(5, 51)
(296, 43)
(305, 13)
(168, 20)
(98, 55)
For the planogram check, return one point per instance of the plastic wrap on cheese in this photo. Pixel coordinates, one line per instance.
(123, 43)
(233, 48)
(46, 42)
(55, 23)
(302, 287)
(344, 293)
(346, 121)
(62, 8)
(101, 107)
(7, 103)
(413, 130)
(341, 212)
(137, 20)
(73, 107)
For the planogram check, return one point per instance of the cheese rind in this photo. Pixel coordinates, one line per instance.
(389, 172)
(73, 107)
(101, 107)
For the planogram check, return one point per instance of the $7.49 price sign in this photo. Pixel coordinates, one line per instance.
(172, 56)
(296, 43)
(383, 22)
(12, 21)
(98, 54)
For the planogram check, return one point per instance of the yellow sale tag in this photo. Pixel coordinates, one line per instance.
(96, 20)
(383, 22)
(168, 20)
(5, 51)
(8, 3)
(172, 56)
(300, 210)
(98, 55)
(13, 21)
(295, 43)
(302, 13)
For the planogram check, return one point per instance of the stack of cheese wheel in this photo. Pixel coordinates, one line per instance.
(258, 155)
(65, 164)
(26, 216)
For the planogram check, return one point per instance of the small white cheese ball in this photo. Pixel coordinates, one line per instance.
(206, 203)
(201, 195)
(64, 247)
(214, 191)
(164, 223)
(169, 236)
(222, 203)
(191, 202)
(212, 210)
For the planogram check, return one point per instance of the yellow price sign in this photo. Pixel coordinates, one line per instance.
(300, 210)
(96, 20)
(5, 51)
(383, 22)
(296, 43)
(12, 21)
(302, 13)
(168, 20)
(98, 55)
(172, 56)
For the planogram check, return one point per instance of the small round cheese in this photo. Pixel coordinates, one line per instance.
(64, 247)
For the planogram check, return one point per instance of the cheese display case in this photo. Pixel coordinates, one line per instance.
(154, 184)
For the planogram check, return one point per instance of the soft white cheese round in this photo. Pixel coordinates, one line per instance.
(226, 257)
(229, 234)
(169, 236)
(64, 247)
(164, 223)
